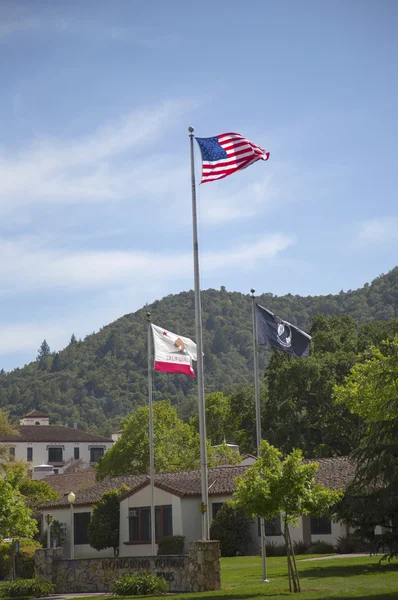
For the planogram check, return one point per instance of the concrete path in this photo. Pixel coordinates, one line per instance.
(353, 555)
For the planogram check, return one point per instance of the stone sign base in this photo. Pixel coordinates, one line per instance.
(199, 571)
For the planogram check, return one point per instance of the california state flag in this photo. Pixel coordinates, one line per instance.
(173, 353)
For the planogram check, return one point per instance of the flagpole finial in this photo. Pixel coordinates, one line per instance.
(252, 291)
(148, 316)
(191, 129)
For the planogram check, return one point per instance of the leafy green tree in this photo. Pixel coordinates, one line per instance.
(176, 444)
(275, 485)
(5, 429)
(218, 418)
(15, 516)
(34, 493)
(231, 527)
(371, 390)
(103, 529)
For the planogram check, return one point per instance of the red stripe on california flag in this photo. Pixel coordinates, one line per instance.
(174, 368)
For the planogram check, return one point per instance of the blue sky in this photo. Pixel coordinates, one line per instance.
(95, 208)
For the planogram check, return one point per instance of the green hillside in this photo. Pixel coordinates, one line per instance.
(97, 381)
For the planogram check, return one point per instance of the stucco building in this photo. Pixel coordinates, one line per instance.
(177, 500)
(39, 443)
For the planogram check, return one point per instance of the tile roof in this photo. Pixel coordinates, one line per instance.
(35, 413)
(71, 482)
(334, 473)
(51, 433)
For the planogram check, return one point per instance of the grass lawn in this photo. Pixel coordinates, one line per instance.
(337, 578)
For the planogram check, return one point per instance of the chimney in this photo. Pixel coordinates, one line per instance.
(42, 471)
(74, 425)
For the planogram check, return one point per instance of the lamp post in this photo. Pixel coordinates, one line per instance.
(49, 519)
(71, 500)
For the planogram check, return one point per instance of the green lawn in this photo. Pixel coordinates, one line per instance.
(337, 578)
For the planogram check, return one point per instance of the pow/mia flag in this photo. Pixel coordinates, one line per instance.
(273, 331)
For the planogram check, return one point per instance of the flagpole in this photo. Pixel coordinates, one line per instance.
(199, 344)
(151, 457)
(258, 427)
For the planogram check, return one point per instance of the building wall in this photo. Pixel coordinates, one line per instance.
(141, 499)
(63, 515)
(40, 451)
(191, 520)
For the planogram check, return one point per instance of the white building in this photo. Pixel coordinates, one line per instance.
(178, 500)
(39, 443)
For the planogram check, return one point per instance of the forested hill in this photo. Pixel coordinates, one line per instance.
(97, 381)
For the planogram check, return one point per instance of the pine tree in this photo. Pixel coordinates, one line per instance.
(43, 355)
(73, 340)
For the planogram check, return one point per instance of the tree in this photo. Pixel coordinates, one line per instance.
(299, 411)
(218, 418)
(103, 529)
(43, 355)
(275, 485)
(5, 429)
(15, 516)
(73, 340)
(371, 390)
(176, 444)
(232, 528)
(34, 493)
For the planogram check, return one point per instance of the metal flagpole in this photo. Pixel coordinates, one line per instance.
(199, 347)
(151, 458)
(258, 426)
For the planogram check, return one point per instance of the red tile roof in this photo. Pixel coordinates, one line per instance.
(71, 482)
(334, 473)
(35, 414)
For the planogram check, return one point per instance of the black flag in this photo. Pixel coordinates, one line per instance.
(273, 331)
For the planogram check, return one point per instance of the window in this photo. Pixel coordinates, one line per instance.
(140, 523)
(272, 527)
(96, 453)
(321, 526)
(55, 455)
(29, 454)
(11, 453)
(80, 523)
(55, 471)
(76, 453)
(215, 507)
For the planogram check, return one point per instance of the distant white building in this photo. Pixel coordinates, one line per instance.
(39, 443)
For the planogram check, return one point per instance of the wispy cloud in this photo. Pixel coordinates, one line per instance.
(26, 265)
(17, 25)
(88, 168)
(377, 232)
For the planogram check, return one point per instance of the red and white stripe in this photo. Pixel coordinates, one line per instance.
(241, 153)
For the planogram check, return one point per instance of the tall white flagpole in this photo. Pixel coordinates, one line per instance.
(258, 426)
(151, 454)
(199, 346)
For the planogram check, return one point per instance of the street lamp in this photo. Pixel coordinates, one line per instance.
(49, 519)
(71, 500)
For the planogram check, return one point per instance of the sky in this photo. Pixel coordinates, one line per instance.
(95, 193)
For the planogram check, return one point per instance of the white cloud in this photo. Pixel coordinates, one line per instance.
(26, 266)
(17, 25)
(86, 168)
(378, 231)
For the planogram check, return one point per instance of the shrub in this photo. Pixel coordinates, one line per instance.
(320, 547)
(24, 561)
(232, 528)
(274, 549)
(300, 547)
(21, 588)
(171, 544)
(142, 584)
(348, 544)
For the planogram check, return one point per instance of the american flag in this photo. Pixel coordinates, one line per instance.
(226, 153)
